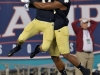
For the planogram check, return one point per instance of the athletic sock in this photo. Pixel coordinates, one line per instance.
(81, 68)
(63, 72)
(19, 46)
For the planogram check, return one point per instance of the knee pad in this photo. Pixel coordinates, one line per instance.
(45, 47)
(21, 38)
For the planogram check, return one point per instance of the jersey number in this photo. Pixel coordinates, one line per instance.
(65, 1)
(43, 1)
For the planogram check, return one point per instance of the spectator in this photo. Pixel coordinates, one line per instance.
(84, 42)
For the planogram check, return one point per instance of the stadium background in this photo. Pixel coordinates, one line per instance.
(14, 17)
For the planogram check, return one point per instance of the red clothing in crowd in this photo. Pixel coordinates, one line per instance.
(79, 33)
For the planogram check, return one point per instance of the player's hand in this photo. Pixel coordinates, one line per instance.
(26, 1)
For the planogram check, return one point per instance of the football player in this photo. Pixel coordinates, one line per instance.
(60, 44)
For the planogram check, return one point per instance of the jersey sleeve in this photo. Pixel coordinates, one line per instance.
(66, 3)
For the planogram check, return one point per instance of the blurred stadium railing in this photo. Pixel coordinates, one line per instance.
(48, 69)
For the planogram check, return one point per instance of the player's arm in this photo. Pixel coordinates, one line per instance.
(49, 5)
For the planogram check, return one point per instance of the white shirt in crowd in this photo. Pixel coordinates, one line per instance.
(87, 41)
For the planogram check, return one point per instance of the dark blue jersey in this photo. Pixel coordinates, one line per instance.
(45, 15)
(61, 15)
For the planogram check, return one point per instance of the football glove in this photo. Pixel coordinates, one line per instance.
(26, 6)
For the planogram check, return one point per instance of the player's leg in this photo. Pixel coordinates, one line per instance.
(48, 34)
(62, 37)
(59, 64)
(54, 52)
(29, 31)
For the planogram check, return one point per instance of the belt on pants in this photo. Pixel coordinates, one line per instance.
(86, 52)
